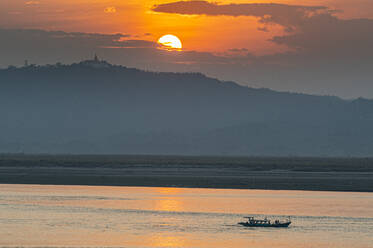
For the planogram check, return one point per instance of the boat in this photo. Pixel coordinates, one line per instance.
(252, 222)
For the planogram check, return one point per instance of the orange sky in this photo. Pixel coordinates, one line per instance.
(200, 33)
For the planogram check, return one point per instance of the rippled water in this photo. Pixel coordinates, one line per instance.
(83, 216)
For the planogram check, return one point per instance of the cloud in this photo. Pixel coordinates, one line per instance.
(48, 46)
(282, 14)
(238, 50)
(110, 10)
(130, 43)
(35, 37)
(32, 3)
(15, 13)
(331, 37)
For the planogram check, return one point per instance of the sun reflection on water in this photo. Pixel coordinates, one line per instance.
(167, 241)
(167, 200)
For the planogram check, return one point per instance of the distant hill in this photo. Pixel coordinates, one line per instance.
(96, 107)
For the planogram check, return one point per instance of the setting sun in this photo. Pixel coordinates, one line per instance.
(170, 41)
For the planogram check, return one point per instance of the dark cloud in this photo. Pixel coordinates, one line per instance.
(238, 50)
(130, 43)
(35, 37)
(43, 46)
(282, 14)
(330, 37)
(263, 29)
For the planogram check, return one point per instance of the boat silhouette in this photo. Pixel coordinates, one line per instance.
(252, 222)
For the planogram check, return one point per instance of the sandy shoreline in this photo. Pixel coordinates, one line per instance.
(192, 172)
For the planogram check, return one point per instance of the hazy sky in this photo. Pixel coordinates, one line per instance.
(311, 46)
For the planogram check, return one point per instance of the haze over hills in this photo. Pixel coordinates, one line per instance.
(96, 107)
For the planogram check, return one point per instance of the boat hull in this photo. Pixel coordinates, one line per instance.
(285, 224)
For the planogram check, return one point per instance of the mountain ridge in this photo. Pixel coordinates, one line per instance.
(96, 107)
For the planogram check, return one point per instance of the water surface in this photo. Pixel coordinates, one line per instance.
(86, 216)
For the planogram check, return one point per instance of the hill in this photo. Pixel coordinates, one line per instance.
(93, 107)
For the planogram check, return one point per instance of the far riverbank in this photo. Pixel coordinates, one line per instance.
(318, 174)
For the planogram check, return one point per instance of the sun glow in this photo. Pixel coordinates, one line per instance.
(171, 42)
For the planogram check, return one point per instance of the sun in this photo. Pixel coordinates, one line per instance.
(170, 42)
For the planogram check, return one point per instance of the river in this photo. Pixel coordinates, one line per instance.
(101, 216)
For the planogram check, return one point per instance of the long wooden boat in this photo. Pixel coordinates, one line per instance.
(252, 222)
